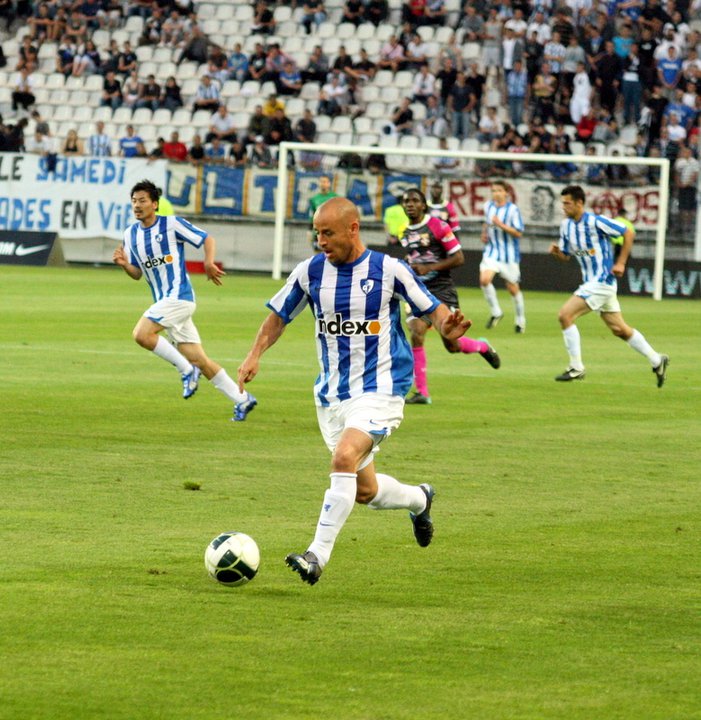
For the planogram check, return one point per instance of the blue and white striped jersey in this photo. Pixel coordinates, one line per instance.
(158, 250)
(501, 246)
(357, 310)
(589, 241)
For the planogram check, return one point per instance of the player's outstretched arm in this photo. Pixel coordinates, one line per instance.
(212, 270)
(119, 257)
(451, 325)
(268, 334)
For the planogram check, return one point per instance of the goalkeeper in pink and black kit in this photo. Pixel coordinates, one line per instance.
(432, 252)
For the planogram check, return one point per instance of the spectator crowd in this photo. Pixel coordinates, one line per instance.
(539, 76)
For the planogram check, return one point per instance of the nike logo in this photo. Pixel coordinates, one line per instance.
(22, 250)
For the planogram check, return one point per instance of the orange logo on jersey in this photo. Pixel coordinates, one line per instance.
(346, 328)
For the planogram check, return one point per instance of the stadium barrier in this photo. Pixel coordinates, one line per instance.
(30, 248)
(542, 272)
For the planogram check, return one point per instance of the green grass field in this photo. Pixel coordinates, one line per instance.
(564, 580)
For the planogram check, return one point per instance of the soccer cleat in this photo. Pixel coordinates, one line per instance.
(423, 525)
(570, 374)
(661, 370)
(416, 398)
(493, 321)
(241, 409)
(490, 355)
(519, 329)
(191, 381)
(306, 565)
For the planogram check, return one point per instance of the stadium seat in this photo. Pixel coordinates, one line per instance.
(63, 113)
(330, 45)
(310, 91)
(282, 13)
(135, 24)
(362, 124)
(629, 135)
(79, 98)
(326, 30)
(345, 30)
(419, 110)
(141, 116)
(226, 11)
(144, 53)
(181, 117)
(366, 31)
(471, 51)
(368, 139)
(236, 103)
(201, 118)
(384, 78)
(377, 110)
(288, 30)
(443, 34)
(327, 138)
(59, 96)
(388, 141)
(370, 93)
(162, 116)
(205, 11)
(102, 113)
(372, 46)
(58, 80)
(341, 124)
(384, 32)
(121, 116)
(391, 94)
(230, 88)
(294, 107)
(93, 83)
(241, 120)
(250, 88)
(323, 123)
(426, 32)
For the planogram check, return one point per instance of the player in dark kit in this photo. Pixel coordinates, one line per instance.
(432, 252)
(443, 209)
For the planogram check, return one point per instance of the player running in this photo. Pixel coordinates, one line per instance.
(154, 246)
(433, 251)
(587, 237)
(502, 229)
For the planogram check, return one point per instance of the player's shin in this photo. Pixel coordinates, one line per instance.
(337, 506)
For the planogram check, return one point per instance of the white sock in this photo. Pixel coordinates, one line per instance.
(338, 503)
(573, 345)
(638, 342)
(490, 295)
(520, 309)
(166, 351)
(393, 495)
(226, 385)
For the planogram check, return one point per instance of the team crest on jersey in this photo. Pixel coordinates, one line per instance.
(367, 285)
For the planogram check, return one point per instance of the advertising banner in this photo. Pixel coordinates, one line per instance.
(85, 197)
(26, 248)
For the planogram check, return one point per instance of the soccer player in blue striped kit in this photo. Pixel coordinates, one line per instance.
(154, 247)
(366, 369)
(502, 230)
(587, 237)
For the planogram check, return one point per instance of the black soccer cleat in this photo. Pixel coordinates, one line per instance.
(490, 355)
(493, 321)
(570, 374)
(661, 370)
(423, 525)
(416, 398)
(519, 329)
(306, 565)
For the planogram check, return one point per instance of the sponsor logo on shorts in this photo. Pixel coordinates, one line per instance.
(339, 326)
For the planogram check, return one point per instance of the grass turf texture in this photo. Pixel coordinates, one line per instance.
(563, 581)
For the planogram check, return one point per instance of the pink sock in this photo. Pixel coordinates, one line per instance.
(468, 345)
(420, 370)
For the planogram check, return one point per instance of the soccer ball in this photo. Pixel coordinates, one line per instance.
(232, 558)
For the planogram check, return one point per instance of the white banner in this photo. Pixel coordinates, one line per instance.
(85, 197)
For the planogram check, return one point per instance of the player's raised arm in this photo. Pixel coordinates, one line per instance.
(268, 334)
(119, 257)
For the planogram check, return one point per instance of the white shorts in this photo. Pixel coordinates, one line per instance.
(491, 57)
(374, 414)
(510, 272)
(176, 317)
(600, 297)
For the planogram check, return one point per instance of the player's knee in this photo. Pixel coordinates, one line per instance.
(145, 339)
(565, 319)
(344, 460)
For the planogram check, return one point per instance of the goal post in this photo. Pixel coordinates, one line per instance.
(416, 165)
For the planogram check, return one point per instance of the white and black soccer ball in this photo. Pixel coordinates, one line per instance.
(232, 558)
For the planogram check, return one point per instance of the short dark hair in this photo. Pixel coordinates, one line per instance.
(148, 187)
(575, 192)
(502, 183)
(418, 192)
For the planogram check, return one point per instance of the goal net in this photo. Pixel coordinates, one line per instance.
(374, 176)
